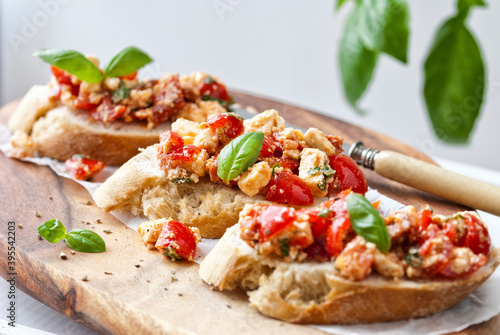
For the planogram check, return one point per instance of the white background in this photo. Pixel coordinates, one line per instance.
(284, 49)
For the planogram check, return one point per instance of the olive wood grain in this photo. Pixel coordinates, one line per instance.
(129, 289)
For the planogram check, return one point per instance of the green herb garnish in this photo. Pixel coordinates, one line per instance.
(78, 239)
(182, 180)
(172, 254)
(284, 247)
(367, 222)
(122, 92)
(241, 153)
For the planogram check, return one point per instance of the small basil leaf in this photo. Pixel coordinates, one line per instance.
(367, 222)
(236, 157)
(72, 62)
(464, 5)
(357, 62)
(52, 230)
(454, 81)
(127, 61)
(122, 92)
(85, 241)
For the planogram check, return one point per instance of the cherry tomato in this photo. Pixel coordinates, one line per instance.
(288, 163)
(424, 218)
(340, 229)
(62, 76)
(107, 111)
(183, 154)
(130, 76)
(273, 219)
(317, 251)
(172, 138)
(268, 147)
(478, 238)
(229, 126)
(437, 247)
(83, 168)
(349, 174)
(210, 87)
(318, 219)
(167, 101)
(475, 263)
(288, 188)
(177, 241)
(83, 102)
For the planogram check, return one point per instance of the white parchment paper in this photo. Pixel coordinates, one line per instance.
(480, 306)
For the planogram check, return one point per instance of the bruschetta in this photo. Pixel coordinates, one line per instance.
(203, 174)
(343, 263)
(113, 114)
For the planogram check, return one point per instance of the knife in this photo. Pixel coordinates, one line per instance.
(418, 174)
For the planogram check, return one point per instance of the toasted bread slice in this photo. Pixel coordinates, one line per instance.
(60, 132)
(142, 187)
(313, 293)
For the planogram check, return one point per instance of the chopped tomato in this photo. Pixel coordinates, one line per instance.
(424, 218)
(184, 154)
(172, 138)
(478, 238)
(474, 263)
(83, 102)
(268, 147)
(62, 76)
(285, 187)
(107, 111)
(177, 241)
(317, 251)
(288, 163)
(273, 219)
(340, 230)
(83, 168)
(213, 89)
(318, 219)
(229, 126)
(167, 101)
(349, 174)
(435, 250)
(130, 76)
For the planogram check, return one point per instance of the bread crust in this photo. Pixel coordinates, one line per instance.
(142, 187)
(60, 132)
(313, 293)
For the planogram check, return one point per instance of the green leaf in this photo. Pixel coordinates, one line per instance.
(236, 157)
(72, 62)
(357, 62)
(127, 61)
(85, 241)
(367, 222)
(454, 81)
(122, 92)
(340, 3)
(52, 230)
(465, 5)
(384, 26)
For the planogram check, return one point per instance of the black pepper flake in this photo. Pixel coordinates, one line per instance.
(179, 294)
(137, 265)
(107, 231)
(108, 273)
(89, 203)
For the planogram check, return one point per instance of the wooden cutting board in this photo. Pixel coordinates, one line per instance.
(131, 290)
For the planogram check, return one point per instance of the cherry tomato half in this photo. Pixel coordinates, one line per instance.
(130, 76)
(285, 187)
(210, 87)
(83, 168)
(318, 219)
(274, 219)
(172, 138)
(230, 126)
(349, 174)
(177, 241)
(62, 76)
(437, 248)
(478, 238)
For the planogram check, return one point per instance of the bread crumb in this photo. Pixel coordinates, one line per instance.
(38, 215)
(107, 231)
(84, 278)
(72, 252)
(179, 294)
(172, 279)
(108, 273)
(62, 255)
(20, 225)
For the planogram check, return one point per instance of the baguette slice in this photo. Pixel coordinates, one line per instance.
(313, 293)
(60, 132)
(142, 187)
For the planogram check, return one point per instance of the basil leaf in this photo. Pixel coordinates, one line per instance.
(464, 5)
(340, 3)
(127, 61)
(72, 62)
(384, 26)
(454, 81)
(122, 92)
(356, 61)
(52, 230)
(367, 222)
(85, 241)
(239, 155)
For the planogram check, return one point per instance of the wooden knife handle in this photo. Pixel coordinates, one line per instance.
(436, 180)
